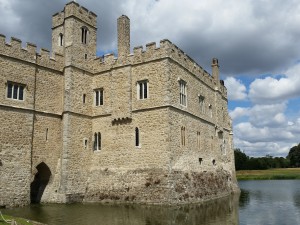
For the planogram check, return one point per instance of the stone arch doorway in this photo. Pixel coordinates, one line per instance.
(41, 179)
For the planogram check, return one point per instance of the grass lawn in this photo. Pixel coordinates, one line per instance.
(271, 174)
(19, 221)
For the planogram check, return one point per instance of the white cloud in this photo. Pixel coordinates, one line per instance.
(268, 115)
(270, 89)
(236, 89)
(239, 112)
(240, 33)
(259, 149)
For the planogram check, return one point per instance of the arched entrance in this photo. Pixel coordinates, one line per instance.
(39, 183)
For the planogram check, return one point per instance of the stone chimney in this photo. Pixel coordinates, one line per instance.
(123, 36)
(215, 69)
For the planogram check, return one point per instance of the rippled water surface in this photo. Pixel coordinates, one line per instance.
(260, 203)
(269, 202)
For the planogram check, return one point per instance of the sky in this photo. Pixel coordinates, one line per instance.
(256, 42)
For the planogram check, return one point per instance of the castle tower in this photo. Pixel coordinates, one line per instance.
(74, 33)
(123, 36)
(215, 69)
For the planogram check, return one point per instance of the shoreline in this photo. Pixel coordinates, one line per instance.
(269, 174)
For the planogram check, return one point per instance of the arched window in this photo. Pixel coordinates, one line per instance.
(137, 137)
(97, 141)
(84, 35)
(60, 39)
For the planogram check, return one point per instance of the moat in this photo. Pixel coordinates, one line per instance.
(275, 202)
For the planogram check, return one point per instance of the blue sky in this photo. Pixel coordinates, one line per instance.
(257, 44)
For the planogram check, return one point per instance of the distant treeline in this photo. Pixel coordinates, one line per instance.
(244, 162)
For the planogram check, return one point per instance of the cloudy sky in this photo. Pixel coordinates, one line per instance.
(257, 44)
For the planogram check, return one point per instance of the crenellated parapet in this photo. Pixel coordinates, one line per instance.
(29, 53)
(151, 52)
(73, 9)
(54, 61)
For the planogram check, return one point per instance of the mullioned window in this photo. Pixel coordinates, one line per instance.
(15, 91)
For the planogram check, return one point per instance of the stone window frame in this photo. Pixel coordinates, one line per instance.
(99, 96)
(84, 35)
(142, 89)
(15, 91)
(97, 141)
(183, 93)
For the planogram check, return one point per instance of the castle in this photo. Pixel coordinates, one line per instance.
(150, 126)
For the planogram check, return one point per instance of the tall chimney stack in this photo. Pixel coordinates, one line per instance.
(123, 36)
(215, 69)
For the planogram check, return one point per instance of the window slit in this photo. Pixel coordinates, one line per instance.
(137, 137)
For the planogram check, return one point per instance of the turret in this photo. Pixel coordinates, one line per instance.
(123, 36)
(74, 33)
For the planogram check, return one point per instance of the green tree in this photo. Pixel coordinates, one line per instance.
(294, 156)
(241, 159)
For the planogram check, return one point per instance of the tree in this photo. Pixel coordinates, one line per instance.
(294, 156)
(241, 159)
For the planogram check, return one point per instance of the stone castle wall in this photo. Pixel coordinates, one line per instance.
(58, 119)
(24, 124)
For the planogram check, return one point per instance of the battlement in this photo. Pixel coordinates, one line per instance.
(74, 9)
(29, 53)
(165, 49)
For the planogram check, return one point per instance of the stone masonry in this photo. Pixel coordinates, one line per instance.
(150, 126)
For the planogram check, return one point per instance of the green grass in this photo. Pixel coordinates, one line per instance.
(271, 174)
(19, 221)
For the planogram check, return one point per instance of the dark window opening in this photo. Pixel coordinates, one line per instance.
(15, 92)
(214, 162)
(60, 40)
(84, 34)
(47, 134)
(83, 98)
(137, 137)
(200, 160)
(9, 90)
(143, 89)
(99, 97)
(97, 141)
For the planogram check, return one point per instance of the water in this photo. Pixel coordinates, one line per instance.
(260, 203)
(269, 202)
